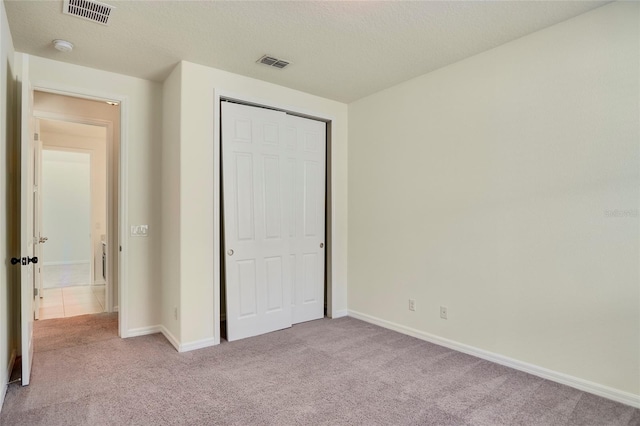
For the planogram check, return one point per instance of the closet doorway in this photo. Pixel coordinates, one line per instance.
(273, 223)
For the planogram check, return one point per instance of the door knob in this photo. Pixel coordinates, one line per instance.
(230, 252)
(43, 240)
(321, 245)
(24, 261)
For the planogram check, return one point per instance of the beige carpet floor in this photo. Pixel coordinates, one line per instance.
(325, 372)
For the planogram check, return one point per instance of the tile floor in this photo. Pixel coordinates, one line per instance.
(71, 301)
(76, 274)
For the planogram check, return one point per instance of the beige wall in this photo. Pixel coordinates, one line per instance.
(490, 186)
(9, 316)
(143, 117)
(198, 301)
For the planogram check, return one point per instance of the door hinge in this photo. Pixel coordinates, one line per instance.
(36, 137)
(35, 292)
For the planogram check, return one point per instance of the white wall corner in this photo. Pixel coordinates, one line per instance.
(186, 347)
(170, 337)
(555, 376)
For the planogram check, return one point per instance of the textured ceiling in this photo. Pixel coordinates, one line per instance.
(339, 50)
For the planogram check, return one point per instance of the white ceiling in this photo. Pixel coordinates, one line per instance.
(342, 50)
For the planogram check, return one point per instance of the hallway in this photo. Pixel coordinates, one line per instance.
(71, 301)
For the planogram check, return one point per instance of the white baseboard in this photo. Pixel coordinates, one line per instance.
(143, 331)
(180, 347)
(65, 262)
(340, 314)
(4, 386)
(186, 347)
(198, 344)
(170, 337)
(555, 376)
(3, 393)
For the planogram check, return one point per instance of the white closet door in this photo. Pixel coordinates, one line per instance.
(258, 284)
(305, 215)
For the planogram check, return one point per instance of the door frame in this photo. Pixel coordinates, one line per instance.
(121, 191)
(37, 215)
(330, 213)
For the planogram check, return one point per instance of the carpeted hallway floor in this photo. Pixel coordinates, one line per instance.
(331, 372)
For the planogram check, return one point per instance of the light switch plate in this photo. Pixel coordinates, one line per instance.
(139, 230)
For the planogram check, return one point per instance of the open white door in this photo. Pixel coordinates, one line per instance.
(27, 290)
(258, 284)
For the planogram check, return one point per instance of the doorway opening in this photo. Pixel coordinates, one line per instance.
(74, 225)
(77, 208)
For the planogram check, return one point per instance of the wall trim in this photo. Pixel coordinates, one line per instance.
(5, 386)
(115, 237)
(3, 393)
(555, 376)
(197, 344)
(170, 337)
(340, 314)
(180, 347)
(186, 347)
(143, 331)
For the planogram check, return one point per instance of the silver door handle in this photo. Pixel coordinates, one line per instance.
(230, 252)
(43, 240)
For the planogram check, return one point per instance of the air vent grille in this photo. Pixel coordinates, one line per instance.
(273, 62)
(90, 10)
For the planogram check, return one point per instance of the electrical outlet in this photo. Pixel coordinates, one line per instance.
(443, 312)
(412, 305)
(175, 313)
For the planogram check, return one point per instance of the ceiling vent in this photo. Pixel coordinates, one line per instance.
(273, 62)
(90, 10)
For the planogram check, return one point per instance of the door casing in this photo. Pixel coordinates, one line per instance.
(221, 94)
(121, 191)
